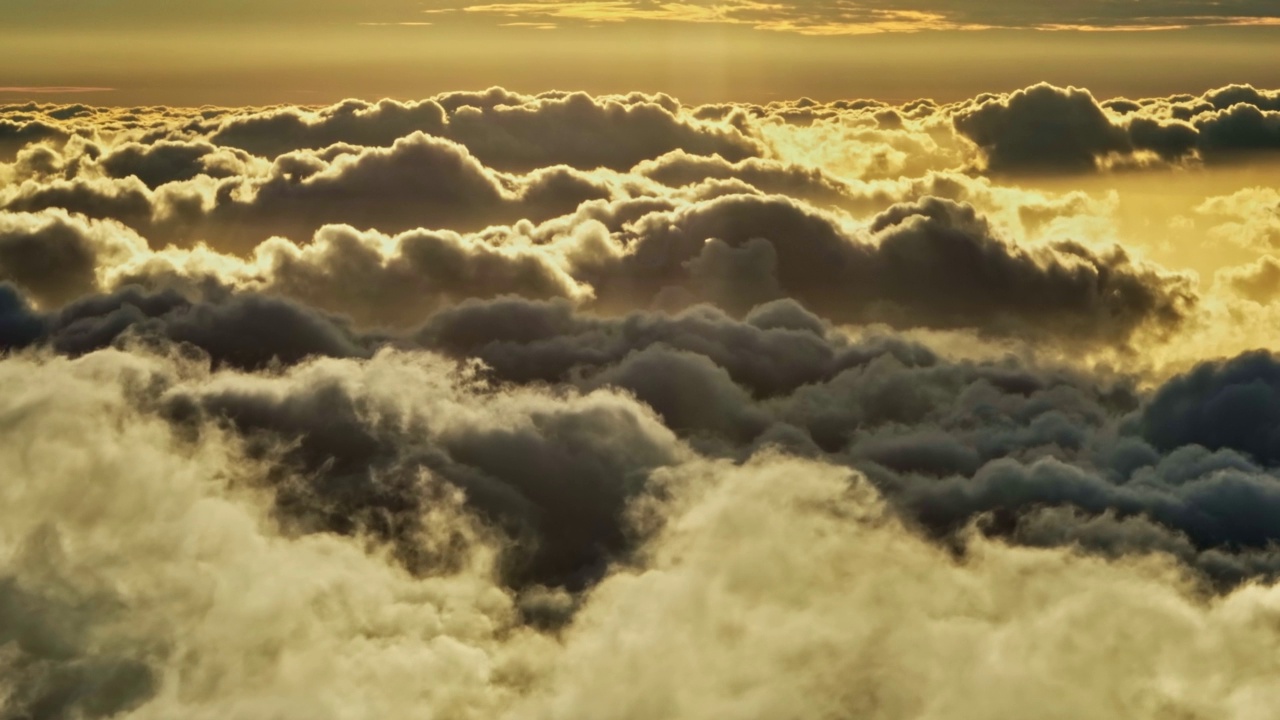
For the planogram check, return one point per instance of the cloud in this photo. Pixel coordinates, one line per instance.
(1258, 281)
(504, 130)
(934, 263)
(1046, 129)
(895, 613)
(947, 441)
(169, 161)
(165, 586)
(400, 280)
(16, 134)
(1225, 404)
(243, 330)
(680, 168)
(777, 348)
(419, 181)
(304, 405)
(116, 583)
(53, 89)
(1042, 128)
(1249, 217)
(55, 256)
(826, 18)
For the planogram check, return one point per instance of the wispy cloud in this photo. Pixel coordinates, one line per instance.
(860, 17)
(53, 89)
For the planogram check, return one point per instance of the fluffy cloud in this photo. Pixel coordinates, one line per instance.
(933, 263)
(947, 441)
(504, 130)
(1045, 129)
(56, 257)
(163, 587)
(419, 181)
(1221, 405)
(302, 406)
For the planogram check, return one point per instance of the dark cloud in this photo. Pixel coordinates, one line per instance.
(419, 181)
(1113, 536)
(243, 330)
(162, 162)
(247, 331)
(504, 130)
(1042, 129)
(50, 256)
(20, 324)
(1238, 132)
(1046, 129)
(14, 135)
(1230, 404)
(555, 473)
(947, 441)
(275, 132)
(934, 263)
(775, 349)
(350, 272)
(680, 168)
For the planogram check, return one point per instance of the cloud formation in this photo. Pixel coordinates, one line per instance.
(164, 588)
(800, 409)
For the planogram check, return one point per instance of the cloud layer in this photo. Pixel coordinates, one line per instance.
(824, 17)
(494, 405)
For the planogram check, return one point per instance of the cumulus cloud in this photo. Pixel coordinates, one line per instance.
(419, 181)
(17, 133)
(934, 263)
(1221, 405)
(1046, 129)
(164, 587)
(504, 130)
(799, 409)
(55, 256)
(1043, 128)
(947, 441)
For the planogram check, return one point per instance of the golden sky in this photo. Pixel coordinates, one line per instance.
(315, 52)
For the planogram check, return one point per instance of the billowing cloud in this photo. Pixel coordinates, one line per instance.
(56, 257)
(740, 251)
(607, 406)
(1046, 129)
(505, 130)
(162, 587)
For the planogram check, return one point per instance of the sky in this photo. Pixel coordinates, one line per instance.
(239, 53)
(630, 360)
